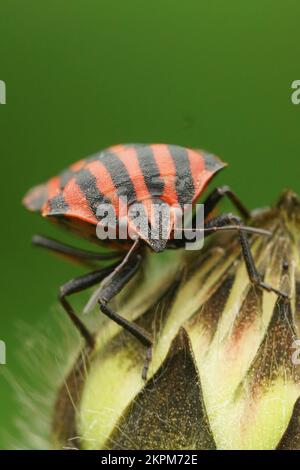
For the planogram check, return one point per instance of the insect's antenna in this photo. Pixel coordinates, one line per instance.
(257, 231)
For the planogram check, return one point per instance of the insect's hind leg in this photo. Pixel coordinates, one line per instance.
(254, 276)
(84, 257)
(76, 285)
(110, 290)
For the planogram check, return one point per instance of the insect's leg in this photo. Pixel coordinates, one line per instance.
(217, 194)
(77, 285)
(77, 254)
(254, 276)
(212, 201)
(110, 290)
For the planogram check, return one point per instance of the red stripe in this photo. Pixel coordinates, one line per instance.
(77, 165)
(129, 158)
(201, 176)
(197, 165)
(167, 171)
(104, 182)
(78, 205)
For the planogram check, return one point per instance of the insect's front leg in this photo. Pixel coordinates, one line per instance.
(80, 284)
(116, 283)
(213, 199)
(210, 203)
(219, 193)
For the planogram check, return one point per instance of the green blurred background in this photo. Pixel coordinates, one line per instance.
(82, 75)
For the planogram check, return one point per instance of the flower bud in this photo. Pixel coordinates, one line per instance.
(225, 368)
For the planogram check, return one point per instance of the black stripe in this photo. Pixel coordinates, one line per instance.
(212, 163)
(184, 181)
(119, 175)
(149, 168)
(65, 176)
(58, 205)
(88, 185)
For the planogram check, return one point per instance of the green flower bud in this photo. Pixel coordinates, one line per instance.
(224, 372)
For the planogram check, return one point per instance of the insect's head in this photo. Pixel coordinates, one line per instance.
(152, 220)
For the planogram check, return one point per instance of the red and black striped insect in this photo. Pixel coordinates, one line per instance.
(157, 173)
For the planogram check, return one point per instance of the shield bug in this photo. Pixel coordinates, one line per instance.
(161, 174)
